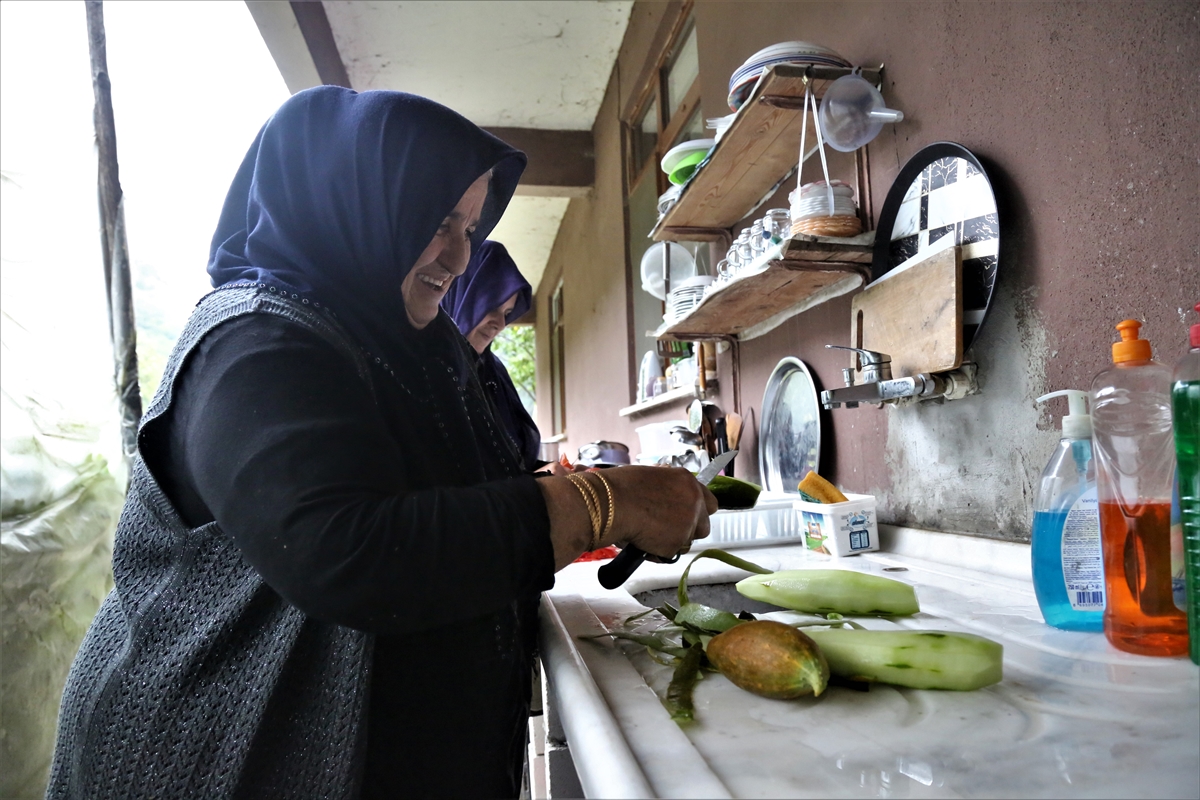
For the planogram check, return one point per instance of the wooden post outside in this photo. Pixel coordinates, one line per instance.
(114, 248)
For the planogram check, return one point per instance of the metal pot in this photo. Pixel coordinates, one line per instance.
(595, 454)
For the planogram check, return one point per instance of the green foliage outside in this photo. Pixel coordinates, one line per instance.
(515, 347)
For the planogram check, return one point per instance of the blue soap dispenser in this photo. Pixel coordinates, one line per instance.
(1068, 564)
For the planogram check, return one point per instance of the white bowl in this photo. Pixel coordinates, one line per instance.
(683, 267)
(679, 151)
(656, 439)
(817, 189)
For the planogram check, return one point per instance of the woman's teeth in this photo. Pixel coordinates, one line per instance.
(436, 284)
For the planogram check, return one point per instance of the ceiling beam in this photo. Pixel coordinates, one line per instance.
(314, 25)
(298, 33)
(277, 23)
(561, 163)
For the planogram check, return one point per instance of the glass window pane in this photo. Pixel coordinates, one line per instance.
(692, 129)
(647, 309)
(683, 73)
(645, 136)
(649, 123)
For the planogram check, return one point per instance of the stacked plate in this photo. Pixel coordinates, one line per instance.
(668, 199)
(686, 296)
(811, 213)
(741, 83)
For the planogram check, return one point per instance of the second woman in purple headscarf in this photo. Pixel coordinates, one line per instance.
(483, 301)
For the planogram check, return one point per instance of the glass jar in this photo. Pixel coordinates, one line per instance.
(757, 243)
(745, 254)
(777, 225)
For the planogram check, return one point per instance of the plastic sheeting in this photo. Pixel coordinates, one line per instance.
(57, 515)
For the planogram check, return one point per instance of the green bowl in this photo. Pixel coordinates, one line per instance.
(686, 166)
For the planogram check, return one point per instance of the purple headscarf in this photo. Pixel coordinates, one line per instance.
(491, 278)
(340, 194)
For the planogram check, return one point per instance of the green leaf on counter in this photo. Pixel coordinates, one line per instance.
(680, 692)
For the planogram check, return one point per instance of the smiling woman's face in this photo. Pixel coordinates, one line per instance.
(444, 259)
(491, 325)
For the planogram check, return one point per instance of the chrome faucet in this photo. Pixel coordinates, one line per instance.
(879, 387)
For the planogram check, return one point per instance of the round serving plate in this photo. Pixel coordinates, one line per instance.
(944, 191)
(790, 440)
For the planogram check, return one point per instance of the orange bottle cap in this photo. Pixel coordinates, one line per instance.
(1130, 348)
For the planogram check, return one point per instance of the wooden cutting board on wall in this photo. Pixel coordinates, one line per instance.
(915, 316)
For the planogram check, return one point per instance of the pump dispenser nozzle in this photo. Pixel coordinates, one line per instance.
(1077, 424)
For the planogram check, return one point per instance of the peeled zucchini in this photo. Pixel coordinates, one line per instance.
(732, 493)
(825, 591)
(916, 659)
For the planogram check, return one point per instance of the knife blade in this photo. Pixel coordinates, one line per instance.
(617, 571)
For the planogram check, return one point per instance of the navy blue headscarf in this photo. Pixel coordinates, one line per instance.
(490, 279)
(340, 194)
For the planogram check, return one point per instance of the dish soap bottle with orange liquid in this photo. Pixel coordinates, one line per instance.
(1134, 448)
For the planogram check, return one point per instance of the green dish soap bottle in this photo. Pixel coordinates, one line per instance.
(1185, 409)
(1068, 562)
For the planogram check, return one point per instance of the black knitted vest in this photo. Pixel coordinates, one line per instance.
(196, 680)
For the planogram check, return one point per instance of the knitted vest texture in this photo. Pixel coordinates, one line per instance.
(197, 680)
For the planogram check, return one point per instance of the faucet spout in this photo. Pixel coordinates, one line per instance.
(875, 366)
(952, 385)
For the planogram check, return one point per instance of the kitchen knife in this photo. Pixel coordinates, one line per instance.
(617, 571)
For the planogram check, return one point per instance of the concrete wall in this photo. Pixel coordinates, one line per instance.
(1085, 115)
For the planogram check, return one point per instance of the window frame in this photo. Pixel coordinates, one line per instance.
(558, 372)
(654, 90)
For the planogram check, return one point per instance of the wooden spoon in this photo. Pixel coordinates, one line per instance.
(733, 429)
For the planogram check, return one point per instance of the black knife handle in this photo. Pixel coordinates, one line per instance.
(617, 571)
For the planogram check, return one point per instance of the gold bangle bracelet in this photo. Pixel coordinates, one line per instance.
(612, 507)
(592, 501)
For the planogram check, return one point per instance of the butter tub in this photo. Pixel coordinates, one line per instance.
(839, 529)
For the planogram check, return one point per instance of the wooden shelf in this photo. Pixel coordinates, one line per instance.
(760, 147)
(664, 399)
(795, 275)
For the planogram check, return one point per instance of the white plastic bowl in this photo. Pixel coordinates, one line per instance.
(683, 267)
(680, 151)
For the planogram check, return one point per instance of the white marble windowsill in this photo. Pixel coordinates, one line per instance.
(1073, 717)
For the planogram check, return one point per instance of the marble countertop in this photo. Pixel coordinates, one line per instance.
(1073, 716)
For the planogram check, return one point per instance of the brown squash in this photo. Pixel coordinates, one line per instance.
(770, 659)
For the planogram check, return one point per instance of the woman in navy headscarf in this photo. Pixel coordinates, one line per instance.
(328, 565)
(489, 295)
